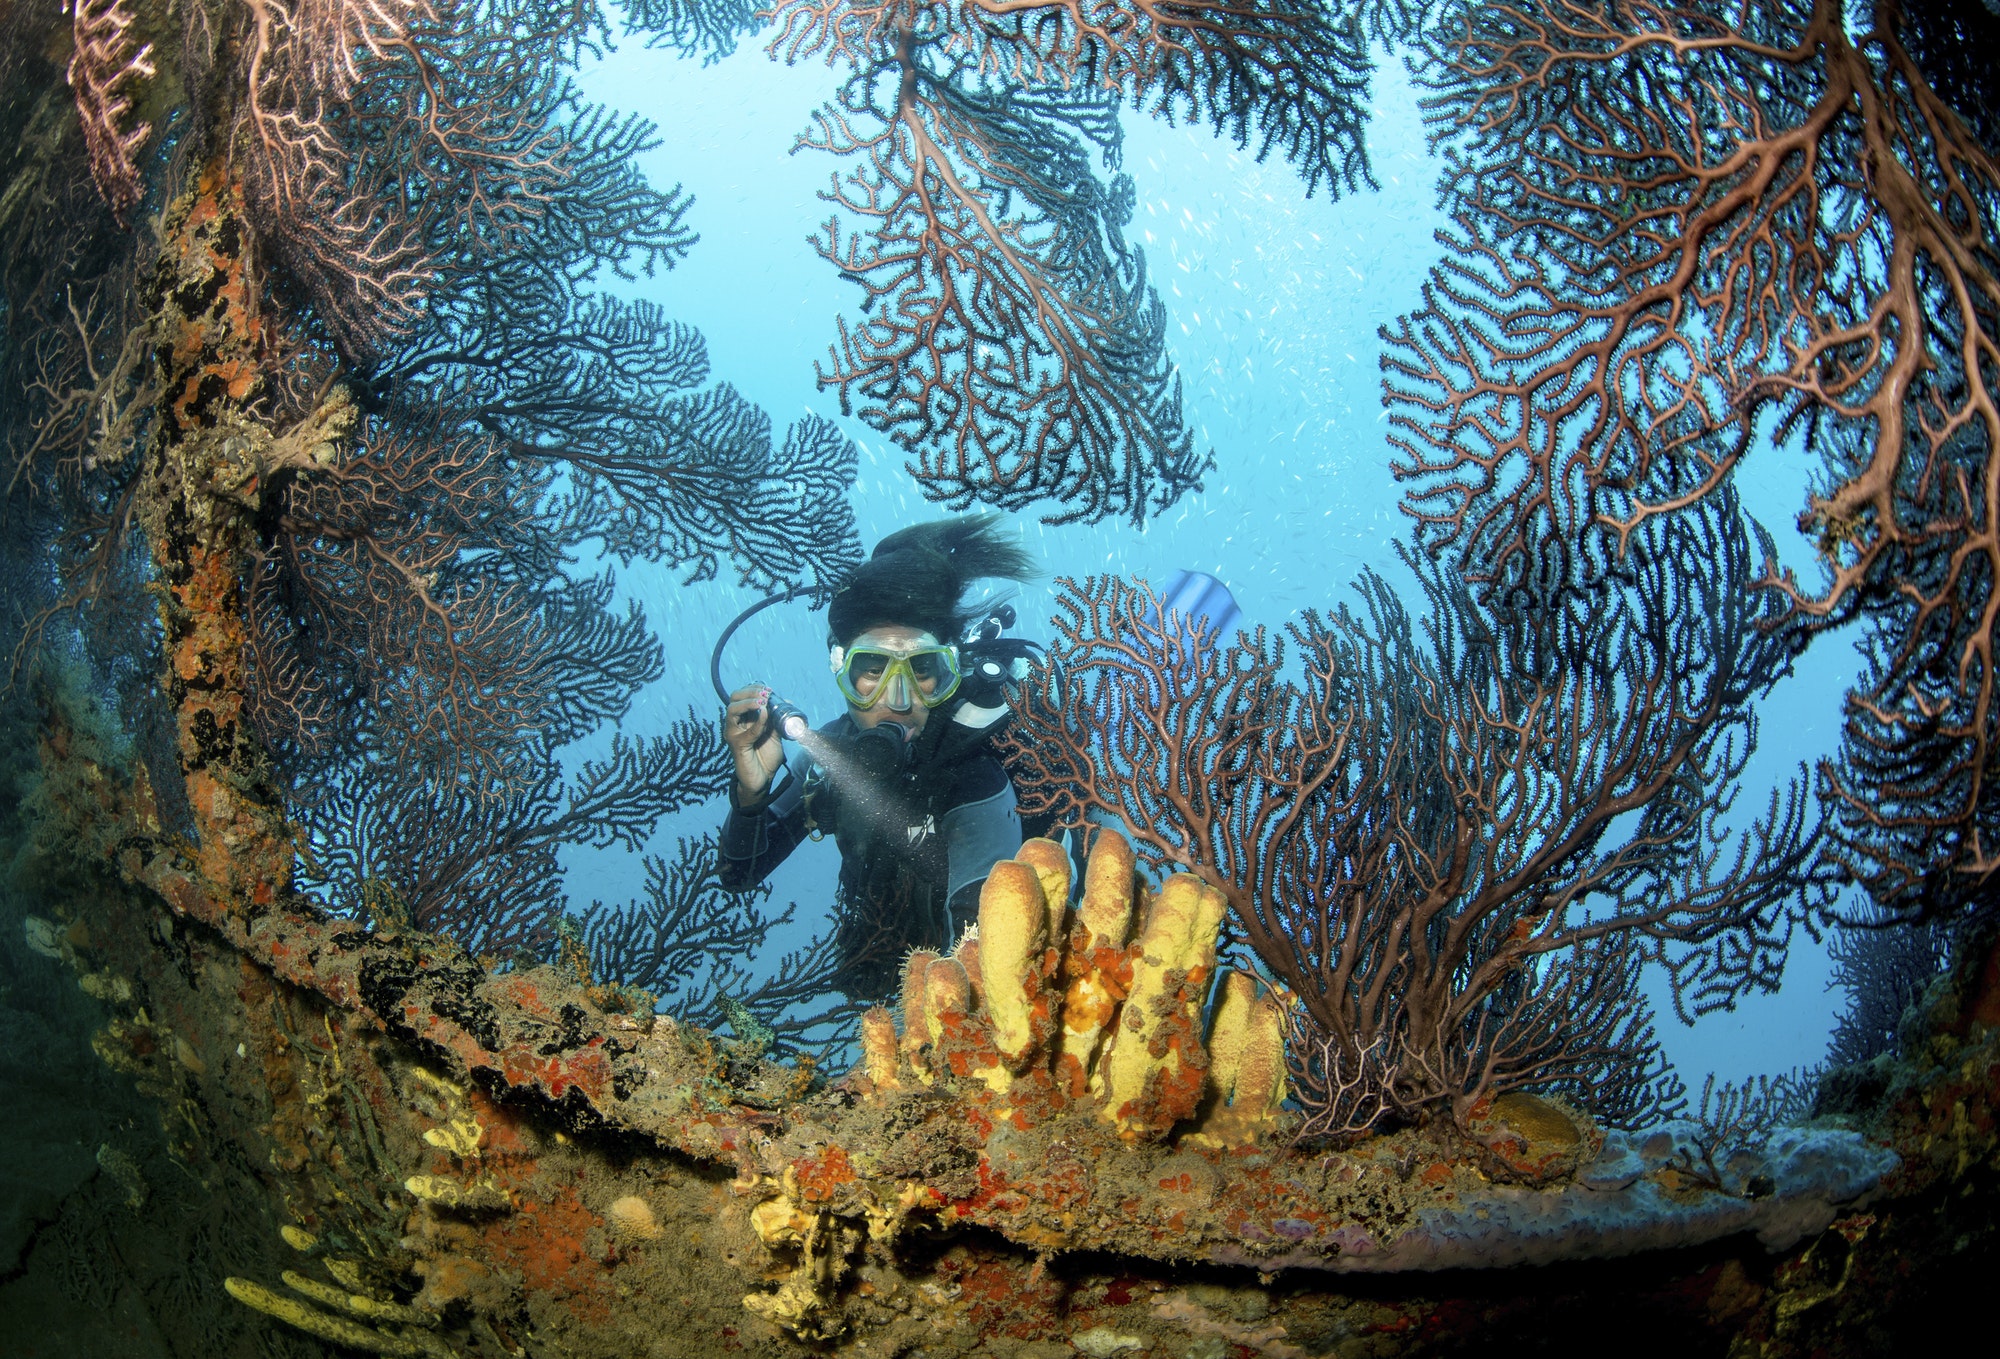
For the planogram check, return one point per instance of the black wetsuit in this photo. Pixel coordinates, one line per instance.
(915, 842)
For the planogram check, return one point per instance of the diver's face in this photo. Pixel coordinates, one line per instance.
(898, 704)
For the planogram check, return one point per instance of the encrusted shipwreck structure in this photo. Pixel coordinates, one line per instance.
(1070, 1140)
(312, 396)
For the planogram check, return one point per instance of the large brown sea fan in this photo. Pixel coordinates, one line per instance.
(101, 72)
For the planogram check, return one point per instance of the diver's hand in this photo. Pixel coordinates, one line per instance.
(754, 744)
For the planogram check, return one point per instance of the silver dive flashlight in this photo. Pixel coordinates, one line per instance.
(792, 722)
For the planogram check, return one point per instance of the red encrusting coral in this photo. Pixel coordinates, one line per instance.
(203, 482)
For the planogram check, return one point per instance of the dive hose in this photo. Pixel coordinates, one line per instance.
(792, 721)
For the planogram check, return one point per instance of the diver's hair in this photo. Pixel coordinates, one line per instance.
(917, 577)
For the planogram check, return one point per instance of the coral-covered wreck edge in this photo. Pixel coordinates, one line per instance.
(501, 1112)
(538, 1033)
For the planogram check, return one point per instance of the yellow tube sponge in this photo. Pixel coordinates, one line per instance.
(1228, 1031)
(1247, 1092)
(1156, 1069)
(1259, 1088)
(961, 1039)
(312, 1321)
(1097, 970)
(1209, 912)
(878, 1048)
(915, 1032)
(947, 996)
(1013, 930)
(967, 956)
(1108, 881)
(360, 1304)
(1051, 864)
(347, 1273)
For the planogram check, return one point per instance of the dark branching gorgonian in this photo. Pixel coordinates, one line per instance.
(430, 413)
(1458, 841)
(1680, 228)
(1882, 968)
(701, 951)
(74, 399)
(1008, 340)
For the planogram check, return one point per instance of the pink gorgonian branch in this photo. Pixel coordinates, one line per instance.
(336, 223)
(101, 72)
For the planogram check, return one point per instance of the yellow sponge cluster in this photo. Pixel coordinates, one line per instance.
(1054, 1008)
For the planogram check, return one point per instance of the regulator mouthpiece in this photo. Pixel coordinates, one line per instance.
(881, 751)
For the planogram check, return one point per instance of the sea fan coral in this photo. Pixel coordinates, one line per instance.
(1677, 227)
(395, 408)
(1009, 340)
(1418, 840)
(103, 68)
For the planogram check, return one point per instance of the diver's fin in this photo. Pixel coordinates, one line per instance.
(1198, 597)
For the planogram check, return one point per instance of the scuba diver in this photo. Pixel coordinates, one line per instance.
(905, 779)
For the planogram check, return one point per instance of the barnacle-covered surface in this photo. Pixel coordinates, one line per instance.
(442, 1158)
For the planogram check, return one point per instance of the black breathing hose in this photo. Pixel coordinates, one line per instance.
(715, 657)
(792, 722)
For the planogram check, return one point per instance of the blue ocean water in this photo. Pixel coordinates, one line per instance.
(1274, 299)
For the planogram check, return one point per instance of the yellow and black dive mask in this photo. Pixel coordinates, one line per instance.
(900, 677)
